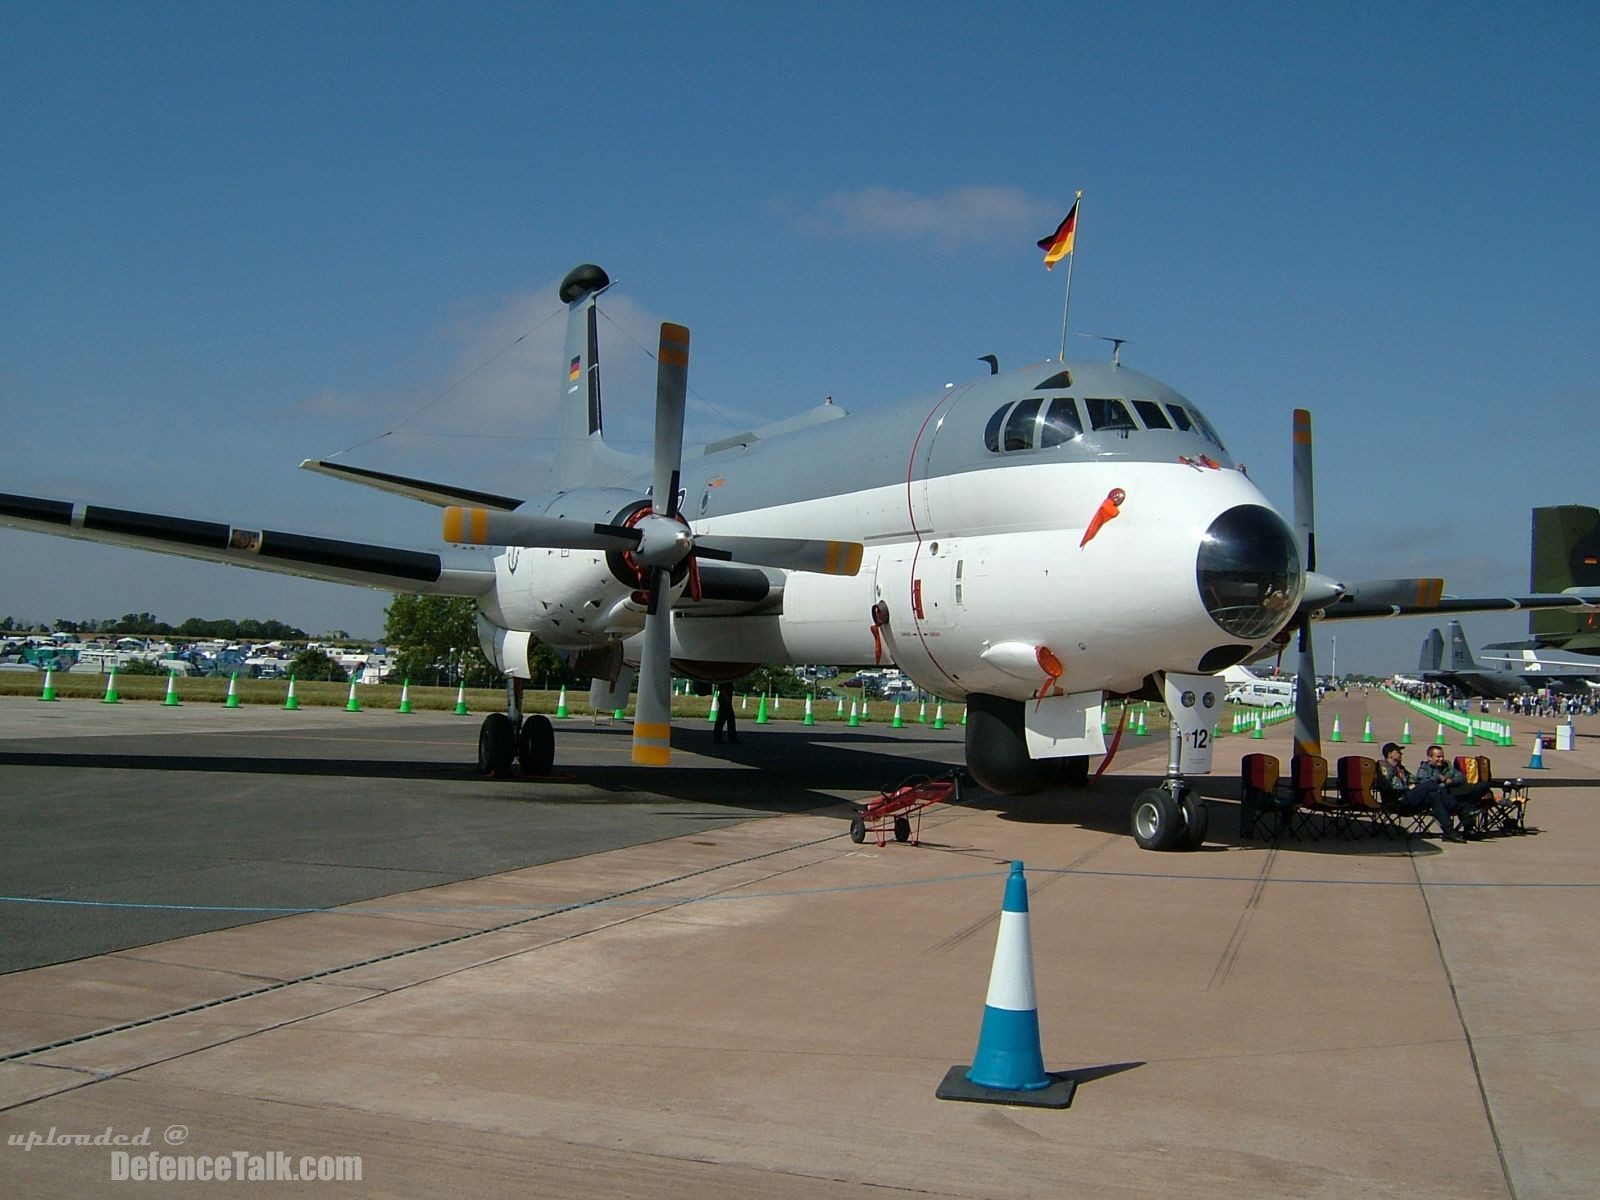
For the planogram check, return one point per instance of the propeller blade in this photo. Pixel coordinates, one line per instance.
(793, 554)
(1307, 726)
(1307, 722)
(672, 385)
(1408, 593)
(1305, 509)
(652, 715)
(483, 527)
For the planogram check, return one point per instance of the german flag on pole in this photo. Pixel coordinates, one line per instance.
(1059, 244)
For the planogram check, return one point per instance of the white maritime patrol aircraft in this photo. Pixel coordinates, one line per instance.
(1034, 542)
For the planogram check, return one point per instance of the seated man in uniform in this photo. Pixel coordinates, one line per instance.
(1465, 798)
(1411, 794)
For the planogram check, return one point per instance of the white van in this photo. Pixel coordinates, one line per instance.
(1263, 693)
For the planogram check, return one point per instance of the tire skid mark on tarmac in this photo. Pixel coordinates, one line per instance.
(1230, 952)
(1055, 875)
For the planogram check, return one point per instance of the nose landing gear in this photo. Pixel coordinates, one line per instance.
(1170, 817)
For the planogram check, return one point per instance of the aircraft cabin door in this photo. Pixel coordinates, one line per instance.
(921, 502)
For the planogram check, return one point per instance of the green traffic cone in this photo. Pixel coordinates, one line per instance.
(405, 696)
(1405, 736)
(938, 715)
(712, 715)
(922, 713)
(172, 691)
(761, 711)
(855, 716)
(233, 692)
(352, 704)
(561, 705)
(111, 696)
(1366, 734)
(461, 699)
(291, 701)
(1337, 735)
(810, 718)
(49, 692)
(899, 721)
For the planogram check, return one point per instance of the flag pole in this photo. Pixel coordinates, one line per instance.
(1077, 205)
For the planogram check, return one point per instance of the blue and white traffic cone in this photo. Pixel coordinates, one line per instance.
(1536, 763)
(1009, 1065)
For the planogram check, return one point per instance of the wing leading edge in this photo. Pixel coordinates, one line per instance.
(333, 560)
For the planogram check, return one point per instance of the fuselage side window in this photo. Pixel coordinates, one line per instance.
(1061, 422)
(1180, 418)
(1021, 424)
(1152, 416)
(1109, 414)
(991, 433)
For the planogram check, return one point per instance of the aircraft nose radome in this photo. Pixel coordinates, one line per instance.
(1248, 571)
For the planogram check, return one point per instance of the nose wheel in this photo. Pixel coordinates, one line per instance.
(1170, 817)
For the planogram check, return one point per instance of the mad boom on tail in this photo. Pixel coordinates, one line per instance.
(1033, 542)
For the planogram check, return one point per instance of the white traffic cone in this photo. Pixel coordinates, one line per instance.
(1009, 1065)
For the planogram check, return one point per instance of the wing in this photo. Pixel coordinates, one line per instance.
(388, 568)
(428, 492)
(1327, 599)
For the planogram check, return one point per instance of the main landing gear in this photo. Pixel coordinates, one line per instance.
(502, 741)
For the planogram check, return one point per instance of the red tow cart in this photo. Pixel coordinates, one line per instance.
(892, 811)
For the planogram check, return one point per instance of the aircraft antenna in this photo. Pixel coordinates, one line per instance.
(1116, 345)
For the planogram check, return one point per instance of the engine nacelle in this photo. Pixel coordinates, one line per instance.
(567, 598)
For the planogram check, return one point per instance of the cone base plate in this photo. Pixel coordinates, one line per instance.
(956, 1086)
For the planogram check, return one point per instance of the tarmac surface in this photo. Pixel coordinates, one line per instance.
(320, 934)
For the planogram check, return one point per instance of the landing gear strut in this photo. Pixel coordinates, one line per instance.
(1171, 816)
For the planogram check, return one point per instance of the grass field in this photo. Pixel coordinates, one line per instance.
(375, 697)
(213, 690)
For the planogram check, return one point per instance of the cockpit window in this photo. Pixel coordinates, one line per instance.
(1108, 414)
(991, 432)
(1204, 426)
(1020, 424)
(1061, 422)
(1180, 418)
(1152, 416)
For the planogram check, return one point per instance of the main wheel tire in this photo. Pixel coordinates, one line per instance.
(858, 830)
(497, 746)
(1196, 820)
(536, 748)
(1157, 819)
(902, 829)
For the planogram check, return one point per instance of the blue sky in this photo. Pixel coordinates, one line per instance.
(233, 237)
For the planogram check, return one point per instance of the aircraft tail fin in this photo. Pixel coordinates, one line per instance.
(1460, 653)
(582, 456)
(1566, 554)
(1432, 658)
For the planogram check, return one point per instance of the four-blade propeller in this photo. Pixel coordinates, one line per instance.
(658, 541)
